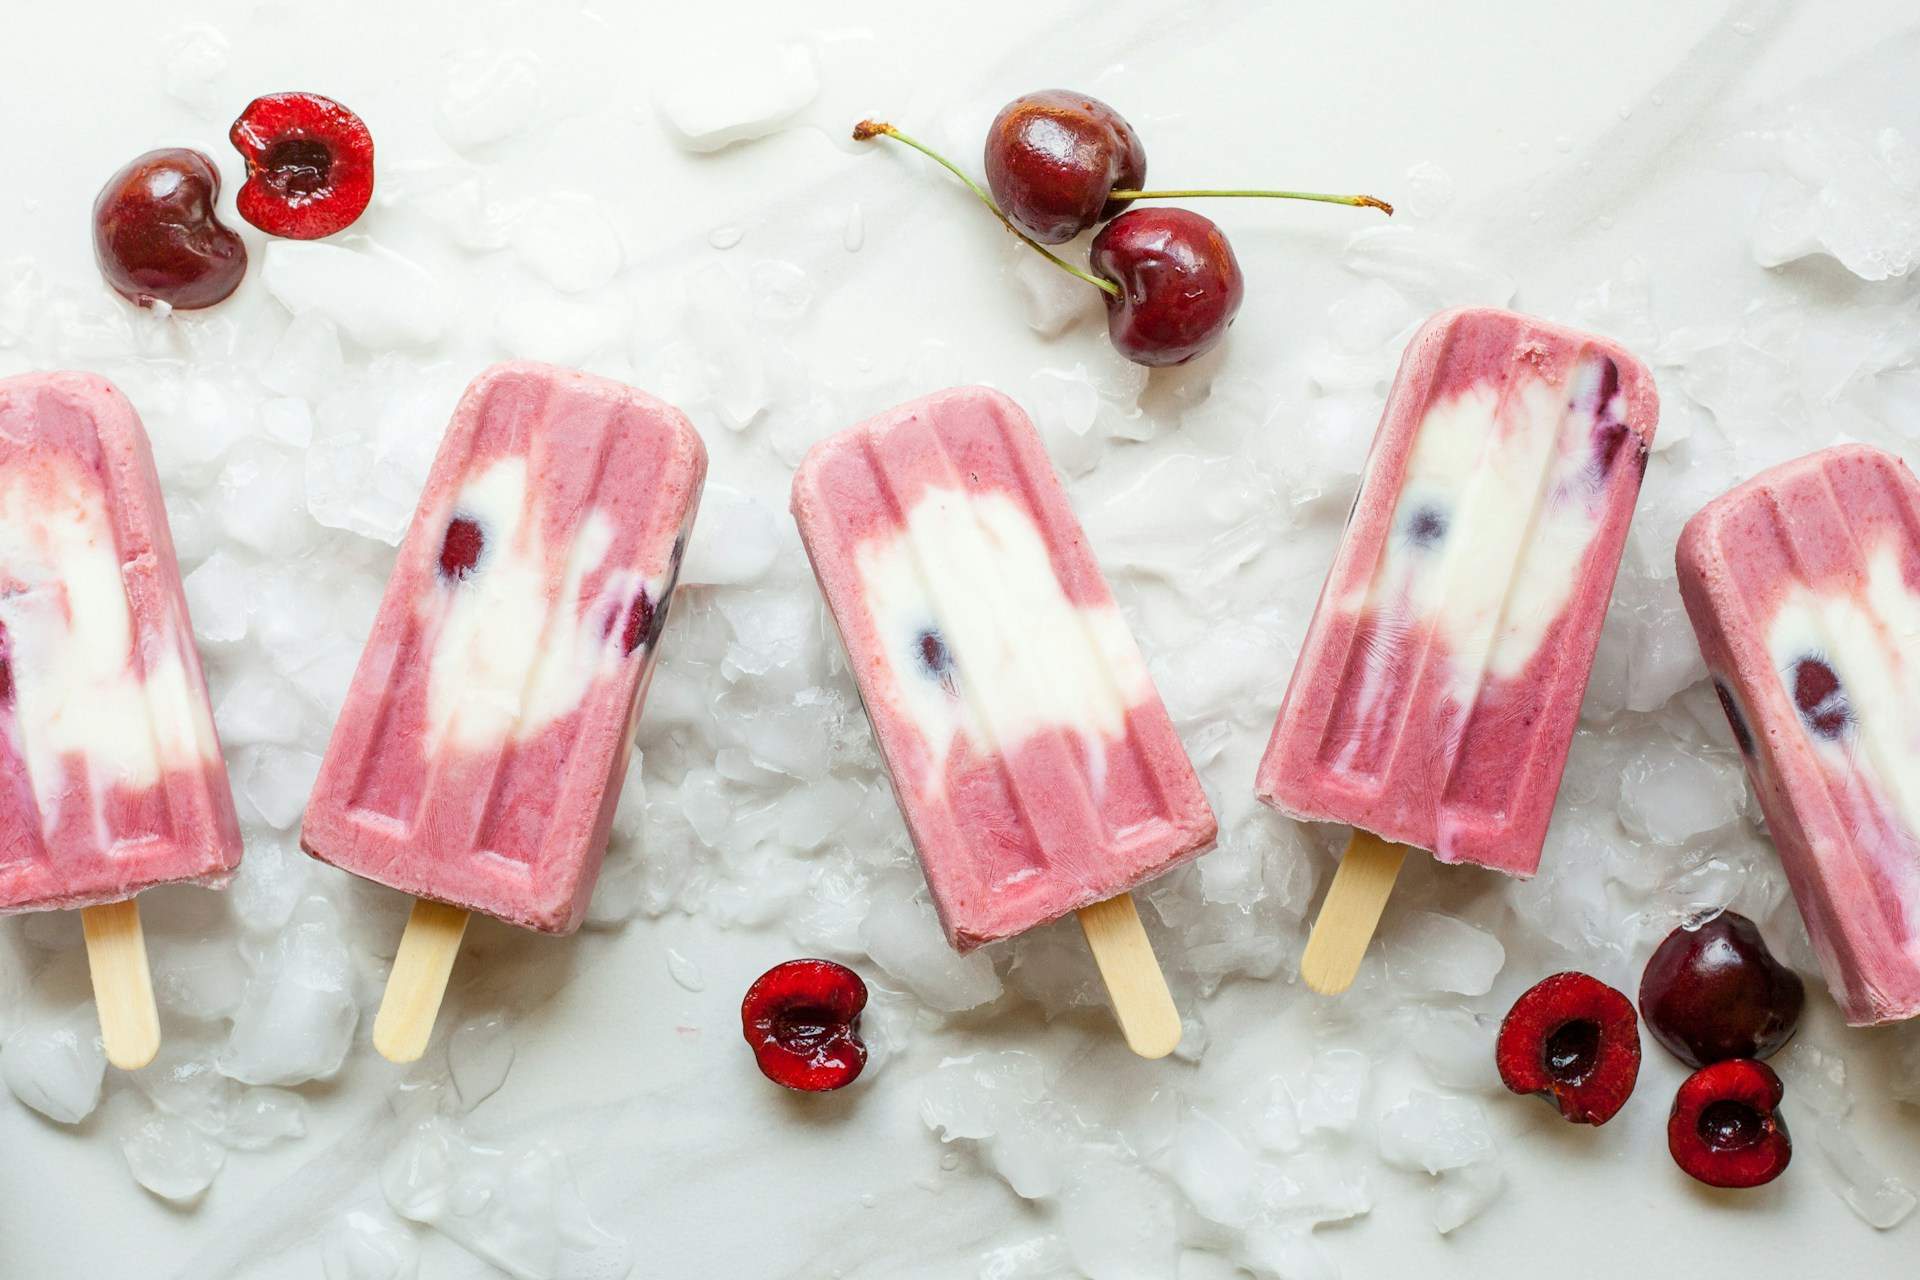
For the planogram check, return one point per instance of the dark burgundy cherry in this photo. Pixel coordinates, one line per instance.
(1725, 1127)
(1742, 735)
(1180, 285)
(1573, 1040)
(640, 621)
(309, 165)
(1822, 702)
(157, 238)
(6, 667)
(1053, 157)
(460, 549)
(1713, 991)
(803, 1020)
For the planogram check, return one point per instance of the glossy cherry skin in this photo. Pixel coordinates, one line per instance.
(802, 1019)
(157, 238)
(1052, 158)
(1180, 285)
(1714, 992)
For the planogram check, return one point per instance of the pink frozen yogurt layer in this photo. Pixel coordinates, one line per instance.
(1435, 696)
(111, 778)
(1033, 760)
(480, 753)
(1804, 588)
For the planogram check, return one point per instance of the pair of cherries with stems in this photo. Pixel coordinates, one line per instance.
(1060, 163)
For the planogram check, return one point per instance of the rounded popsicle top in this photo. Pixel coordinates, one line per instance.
(1466, 345)
(1728, 523)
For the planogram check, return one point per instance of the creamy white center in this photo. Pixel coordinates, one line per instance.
(1869, 728)
(1494, 517)
(70, 632)
(982, 641)
(517, 648)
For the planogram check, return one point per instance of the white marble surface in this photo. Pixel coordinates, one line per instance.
(1608, 165)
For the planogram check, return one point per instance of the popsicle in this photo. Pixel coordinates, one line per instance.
(111, 780)
(1033, 760)
(479, 755)
(1803, 585)
(1435, 696)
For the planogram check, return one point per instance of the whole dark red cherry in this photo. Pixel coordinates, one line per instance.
(157, 238)
(1713, 991)
(1053, 157)
(1180, 285)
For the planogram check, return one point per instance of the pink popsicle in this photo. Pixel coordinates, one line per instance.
(111, 779)
(1803, 585)
(1033, 760)
(480, 753)
(1436, 692)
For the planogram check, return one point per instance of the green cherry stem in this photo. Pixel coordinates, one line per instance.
(1358, 202)
(870, 129)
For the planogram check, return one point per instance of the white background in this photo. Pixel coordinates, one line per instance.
(1580, 141)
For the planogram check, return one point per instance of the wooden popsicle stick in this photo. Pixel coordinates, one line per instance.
(1347, 919)
(1135, 984)
(418, 981)
(122, 983)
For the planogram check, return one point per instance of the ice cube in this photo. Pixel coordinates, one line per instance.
(53, 1063)
(479, 1055)
(166, 1155)
(1329, 1100)
(296, 1020)
(487, 96)
(1455, 1046)
(368, 1247)
(1117, 1218)
(1671, 794)
(1435, 1133)
(903, 936)
(1461, 1195)
(263, 501)
(277, 780)
(1838, 190)
(306, 363)
(1427, 951)
(375, 296)
(516, 1207)
(217, 598)
(731, 92)
(736, 540)
(1880, 1199)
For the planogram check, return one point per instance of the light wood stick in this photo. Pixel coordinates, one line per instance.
(1135, 984)
(122, 983)
(418, 981)
(1361, 886)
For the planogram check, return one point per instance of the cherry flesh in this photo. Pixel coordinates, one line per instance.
(1573, 1040)
(309, 165)
(157, 238)
(803, 1020)
(1725, 1128)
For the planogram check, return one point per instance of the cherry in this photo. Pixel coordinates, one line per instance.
(1180, 285)
(1573, 1040)
(1725, 1128)
(156, 235)
(309, 165)
(803, 1020)
(1171, 282)
(1712, 991)
(461, 547)
(1053, 159)
(640, 622)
